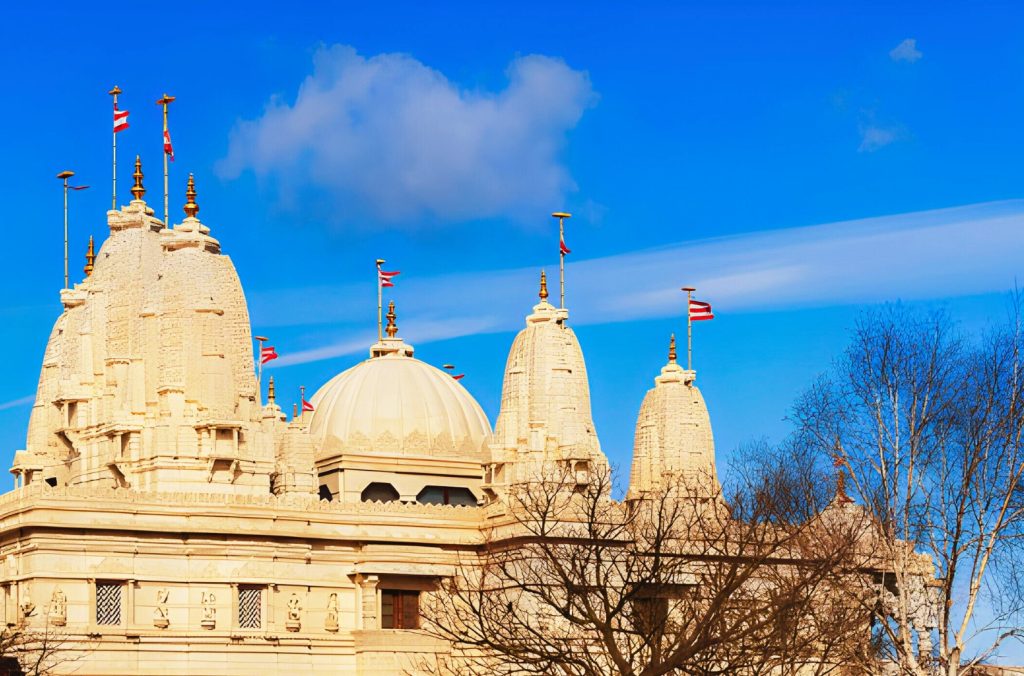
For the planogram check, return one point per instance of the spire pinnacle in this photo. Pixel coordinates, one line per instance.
(543, 286)
(191, 208)
(270, 391)
(295, 411)
(137, 190)
(672, 349)
(90, 258)
(392, 328)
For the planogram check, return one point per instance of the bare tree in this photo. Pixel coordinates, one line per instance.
(32, 651)
(572, 582)
(929, 425)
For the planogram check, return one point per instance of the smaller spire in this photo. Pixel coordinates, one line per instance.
(90, 258)
(137, 190)
(543, 286)
(270, 391)
(295, 411)
(672, 349)
(191, 208)
(391, 329)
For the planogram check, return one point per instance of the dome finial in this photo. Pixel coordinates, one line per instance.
(137, 190)
(391, 329)
(672, 349)
(90, 257)
(191, 208)
(270, 391)
(543, 286)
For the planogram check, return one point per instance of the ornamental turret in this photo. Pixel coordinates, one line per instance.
(673, 441)
(544, 425)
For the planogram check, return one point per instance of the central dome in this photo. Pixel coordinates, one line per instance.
(396, 404)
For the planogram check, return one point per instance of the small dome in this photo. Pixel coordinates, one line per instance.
(396, 404)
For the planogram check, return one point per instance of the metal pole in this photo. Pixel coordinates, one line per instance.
(113, 195)
(380, 303)
(561, 216)
(259, 368)
(64, 176)
(689, 328)
(165, 101)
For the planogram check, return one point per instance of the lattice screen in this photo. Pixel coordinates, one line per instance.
(250, 600)
(108, 602)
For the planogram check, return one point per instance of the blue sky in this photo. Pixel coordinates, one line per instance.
(798, 162)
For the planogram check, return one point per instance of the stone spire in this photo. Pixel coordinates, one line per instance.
(543, 286)
(544, 423)
(391, 329)
(673, 440)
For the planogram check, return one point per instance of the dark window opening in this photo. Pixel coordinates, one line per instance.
(399, 609)
(446, 495)
(52, 481)
(379, 492)
(325, 493)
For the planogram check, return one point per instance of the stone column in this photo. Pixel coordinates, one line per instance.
(369, 615)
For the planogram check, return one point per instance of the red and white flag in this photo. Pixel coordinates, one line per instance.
(120, 120)
(168, 148)
(267, 353)
(78, 187)
(306, 406)
(700, 311)
(459, 376)
(562, 248)
(385, 278)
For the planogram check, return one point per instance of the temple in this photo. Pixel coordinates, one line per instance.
(168, 519)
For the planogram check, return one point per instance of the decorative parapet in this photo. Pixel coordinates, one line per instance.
(39, 492)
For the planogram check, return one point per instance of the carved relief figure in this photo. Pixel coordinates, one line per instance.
(209, 610)
(58, 608)
(27, 607)
(294, 614)
(331, 623)
(160, 615)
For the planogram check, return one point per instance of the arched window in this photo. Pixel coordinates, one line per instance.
(446, 495)
(379, 492)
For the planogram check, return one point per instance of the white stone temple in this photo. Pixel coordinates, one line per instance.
(165, 520)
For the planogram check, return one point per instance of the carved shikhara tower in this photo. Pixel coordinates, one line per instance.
(164, 521)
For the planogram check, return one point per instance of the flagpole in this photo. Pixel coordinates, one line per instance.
(302, 400)
(165, 101)
(64, 176)
(689, 328)
(380, 303)
(259, 368)
(561, 216)
(113, 195)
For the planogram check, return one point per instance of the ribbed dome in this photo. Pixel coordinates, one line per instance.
(397, 404)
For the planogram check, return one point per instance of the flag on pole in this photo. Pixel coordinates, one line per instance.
(78, 187)
(120, 120)
(168, 148)
(386, 278)
(700, 311)
(562, 248)
(306, 406)
(267, 353)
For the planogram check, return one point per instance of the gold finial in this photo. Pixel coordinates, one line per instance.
(191, 208)
(137, 190)
(672, 349)
(543, 286)
(391, 328)
(90, 258)
(270, 391)
(295, 411)
(115, 91)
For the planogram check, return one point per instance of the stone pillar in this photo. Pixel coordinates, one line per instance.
(369, 615)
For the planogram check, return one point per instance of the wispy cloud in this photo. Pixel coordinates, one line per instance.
(394, 138)
(922, 255)
(873, 137)
(906, 51)
(20, 401)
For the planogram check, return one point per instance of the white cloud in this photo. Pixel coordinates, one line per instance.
(394, 138)
(873, 137)
(20, 401)
(917, 256)
(905, 51)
